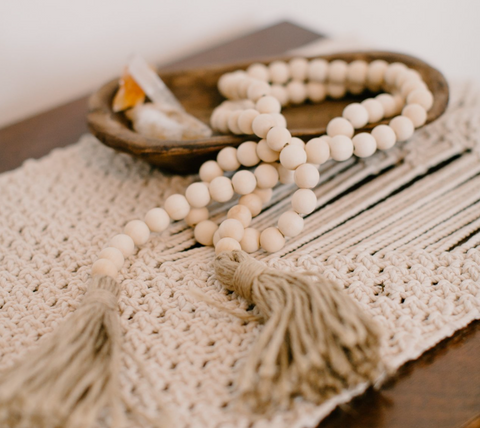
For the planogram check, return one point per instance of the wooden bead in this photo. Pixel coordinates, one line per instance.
(272, 240)
(285, 176)
(138, 231)
(197, 215)
(123, 243)
(306, 176)
(203, 232)
(252, 202)
(240, 213)
(295, 141)
(399, 103)
(210, 170)
(279, 72)
(258, 71)
(264, 194)
(297, 92)
(247, 153)
(364, 145)
(114, 255)
(216, 237)
(355, 88)
(280, 93)
(304, 201)
(221, 189)
(278, 137)
(316, 92)
(318, 150)
(258, 89)
(392, 71)
(341, 148)
(157, 220)
(227, 159)
(290, 224)
(292, 156)
(268, 104)
(336, 90)
(384, 136)
(262, 124)
(356, 114)
(411, 85)
(242, 87)
(244, 182)
(421, 96)
(227, 244)
(337, 71)
(317, 70)
(403, 127)
(197, 195)
(245, 120)
(220, 122)
(231, 228)
(266, 175)
(265, 153)
(388, 104)
(416, 113)
(104, 267)
(251, 240)
(279, 119)
(374, 109)
(376, 72)
(404, 76)
(298, 69)
(177, 206)
(340, 126)
(233, 122)
(357, 72)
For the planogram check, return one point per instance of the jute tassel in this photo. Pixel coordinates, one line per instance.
(73, 374)
(316, 340)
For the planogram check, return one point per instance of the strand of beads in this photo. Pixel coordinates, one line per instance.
(254, 101)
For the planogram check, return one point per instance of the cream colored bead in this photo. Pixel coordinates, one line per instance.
(384, 136)
(295, 141)
(280, 93)
(376, 72)
(356, 114)
(337, 71)
(304, 201)
(279, 72)
(278, 137)
(388, 104)
(251, 240)
(290, 224)
(244, 182)
(242, 87)
(257, 90)
(157, 220)
(392, 71)
(252, 202)
(410, 86)
(336, 90)
(233, 122)
(231, 228)
(123, 243)
(298, 69)
(317, 70)
(406, 75)
(364, 145)
(341, 148)
(399, 103)
(247, 153)
(292, 156)
(227, 159)
(262, 124)
(340, 126)
(227, 244)
(258, 71)
(210, 170)
(240, 213)
(114, 255)
(104, 267)
(138, 231)
(316, 92)
(266, 175)
(306, 176)
(421, 96)
(197, 215)
(221, 189)
(204, 231)
(265, 153)
(318, 150)
(279, 119)
(357, 72)
(355, 88)
(223, 83)
(177, 206)
(285, 176)
(264, 194)
(245, 120)
(268, 104)
(216, 237)
(416, 113)
(403, 127)
(297, 92)
(197, 195)
(272, 240)
(374, 109)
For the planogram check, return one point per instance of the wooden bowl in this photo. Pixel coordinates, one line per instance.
(197, 90)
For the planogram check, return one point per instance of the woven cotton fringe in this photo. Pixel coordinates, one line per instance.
(399, 231)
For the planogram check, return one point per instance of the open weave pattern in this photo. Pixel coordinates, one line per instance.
(399, 231)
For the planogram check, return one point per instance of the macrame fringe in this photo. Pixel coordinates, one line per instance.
(316, 340)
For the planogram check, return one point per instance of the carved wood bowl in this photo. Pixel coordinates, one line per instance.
(197, 90)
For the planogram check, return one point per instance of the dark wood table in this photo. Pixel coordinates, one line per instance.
(440, 389)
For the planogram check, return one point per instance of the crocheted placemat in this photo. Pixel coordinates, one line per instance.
(397, 230)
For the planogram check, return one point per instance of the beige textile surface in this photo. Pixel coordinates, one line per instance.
(397, 230)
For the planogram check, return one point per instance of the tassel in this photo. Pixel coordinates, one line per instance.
(316, 340)
(73, 374)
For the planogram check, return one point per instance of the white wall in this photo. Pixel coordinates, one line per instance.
(52, 51)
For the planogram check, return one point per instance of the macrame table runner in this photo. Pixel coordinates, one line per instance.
(398, 231)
